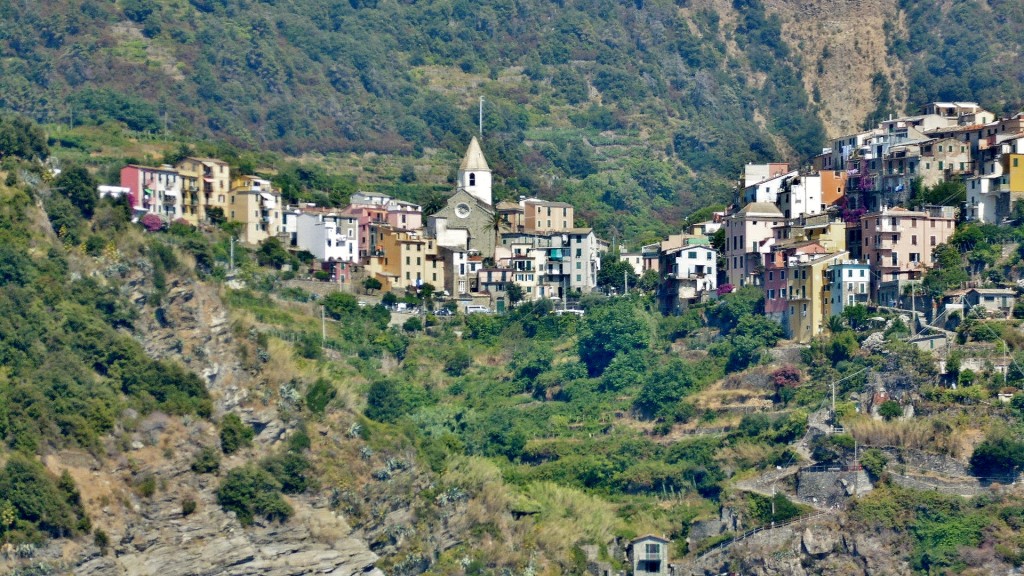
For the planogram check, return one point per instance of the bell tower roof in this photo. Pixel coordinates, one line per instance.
(474, 158)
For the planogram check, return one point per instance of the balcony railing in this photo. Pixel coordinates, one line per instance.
(889, 227)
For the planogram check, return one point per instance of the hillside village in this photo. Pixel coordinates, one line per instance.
(851, 228)
(783, 363)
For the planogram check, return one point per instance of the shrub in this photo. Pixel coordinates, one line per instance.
(207, 461)
(291, 470)
(874, 460)
(234, 433)
(997, 457)
(890, 409)
(249, 492)
(188, 506)
(413, 324)
(458, 362)
(319, 395)
(101, 540)
(146, 486)
(152, 222)
(39, 502)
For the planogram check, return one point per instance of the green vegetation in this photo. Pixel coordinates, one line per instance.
(249, 492)
(234, 434)
(36, 505)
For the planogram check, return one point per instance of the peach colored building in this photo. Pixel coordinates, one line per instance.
(543, 216)
(748, 236)
(833, 186)
(899, 244)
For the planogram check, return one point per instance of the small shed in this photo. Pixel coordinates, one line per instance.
(649, 555)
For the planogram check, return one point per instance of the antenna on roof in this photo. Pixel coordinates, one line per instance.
(481, 117)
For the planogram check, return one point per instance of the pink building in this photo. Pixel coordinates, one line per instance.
(154, 190)
(369, 218)
(899, 244)
(404, 215)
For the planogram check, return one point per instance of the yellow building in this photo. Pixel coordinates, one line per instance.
(809, 307)
(206, 184)
(821, 228)
(257, 206)
(406, 259)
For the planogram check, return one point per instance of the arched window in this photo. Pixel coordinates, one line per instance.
(472, 179)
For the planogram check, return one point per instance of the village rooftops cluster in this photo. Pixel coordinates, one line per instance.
(468, 246)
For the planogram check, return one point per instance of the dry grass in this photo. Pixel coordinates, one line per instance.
(569, 516)
(930, 434)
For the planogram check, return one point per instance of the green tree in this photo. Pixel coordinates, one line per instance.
(38, 502)
(77, 185)
(249, 492)
(338, 305)
(614, 273)
(384, 401)
(459, 360)
(998, 456)
(648, 281)
(273, 253)
(21, 138)
(234, 433)
(726, 314)
(514, 292)
(371, 284)
(608, 330)
(890, 409)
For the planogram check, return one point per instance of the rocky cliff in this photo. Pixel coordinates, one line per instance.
(140, 491)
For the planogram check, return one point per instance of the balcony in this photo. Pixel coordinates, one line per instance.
(890, 227)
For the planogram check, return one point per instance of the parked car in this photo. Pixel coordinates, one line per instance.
(477, 309)
(443, 312)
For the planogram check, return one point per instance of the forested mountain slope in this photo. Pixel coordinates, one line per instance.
(666, 99)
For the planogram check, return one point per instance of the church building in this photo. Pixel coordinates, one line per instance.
(467, 221)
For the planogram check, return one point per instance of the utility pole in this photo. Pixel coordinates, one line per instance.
(323, 326)
(231, 255)
(481, 120)
(625, 283)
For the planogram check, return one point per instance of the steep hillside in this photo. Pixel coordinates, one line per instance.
(640, 112)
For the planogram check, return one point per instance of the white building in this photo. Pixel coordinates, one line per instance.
(328, 236)
(849, 284)
(767, 190)
(689, 273)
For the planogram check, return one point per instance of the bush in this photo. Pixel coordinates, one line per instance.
(997, 457)
(234, 433)
(40, 503)
(249, 492)
(319, 395)
(890, 409)
(458, 362)
(101, 540)
(291, 470)
(152, 222)
(188, 506)
(207, 461)
(874, 461)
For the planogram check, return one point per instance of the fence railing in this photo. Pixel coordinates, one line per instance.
(729, 542)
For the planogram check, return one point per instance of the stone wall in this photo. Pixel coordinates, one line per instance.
(831, 487)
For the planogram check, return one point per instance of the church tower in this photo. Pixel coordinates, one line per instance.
(474, 174)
